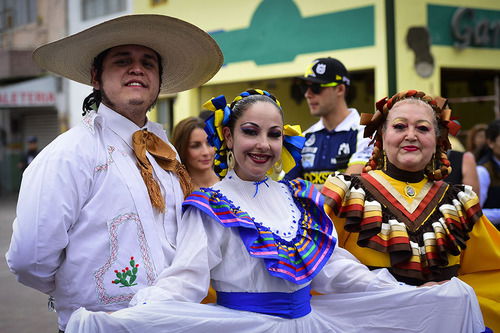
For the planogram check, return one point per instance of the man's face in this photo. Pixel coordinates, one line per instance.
(32, 146)
(495, 146)
(322, 103)
(130, 80)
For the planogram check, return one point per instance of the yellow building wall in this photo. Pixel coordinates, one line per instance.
(235, 77)
(413, 14)
(230, 15)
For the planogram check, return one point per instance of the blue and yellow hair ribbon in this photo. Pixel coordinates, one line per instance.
(213, 127)
(293, 141)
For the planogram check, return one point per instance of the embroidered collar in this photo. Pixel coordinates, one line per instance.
(122, 126)
(412, 213)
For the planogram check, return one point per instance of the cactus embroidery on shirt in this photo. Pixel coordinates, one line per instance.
(127, 276)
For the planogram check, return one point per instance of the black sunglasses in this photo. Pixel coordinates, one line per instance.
(316, 88)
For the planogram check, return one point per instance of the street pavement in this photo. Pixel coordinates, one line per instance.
(22, 309)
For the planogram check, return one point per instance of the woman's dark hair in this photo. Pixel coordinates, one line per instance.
(478, 151)
(182, 132)
(238, 107)
(471, 135)
(93, 100)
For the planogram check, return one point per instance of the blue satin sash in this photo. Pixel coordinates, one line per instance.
(285, 305)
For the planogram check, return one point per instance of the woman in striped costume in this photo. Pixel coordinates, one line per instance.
(399, 215)
(264, 244)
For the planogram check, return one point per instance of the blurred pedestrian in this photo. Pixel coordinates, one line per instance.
(30, 154)
(476, 141)
(190, 140)
(489, 174)
(99, 208)
(463, 169)
(335, 142)
(463, 163)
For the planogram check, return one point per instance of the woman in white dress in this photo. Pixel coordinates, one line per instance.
(265, 244)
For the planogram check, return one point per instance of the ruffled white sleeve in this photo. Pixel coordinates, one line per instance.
(188, 278)
(344, 273)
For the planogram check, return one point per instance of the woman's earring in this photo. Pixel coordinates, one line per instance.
(277, 168)
(230, 160)
(385, 161)
(432, 163)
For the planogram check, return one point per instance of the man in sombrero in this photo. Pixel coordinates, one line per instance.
(98, 208)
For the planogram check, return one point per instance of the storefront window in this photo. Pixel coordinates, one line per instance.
(96, 8)
(15, 13)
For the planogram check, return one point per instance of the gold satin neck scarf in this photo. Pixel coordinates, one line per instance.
(165, 156)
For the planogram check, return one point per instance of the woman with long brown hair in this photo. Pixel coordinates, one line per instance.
(190, 140)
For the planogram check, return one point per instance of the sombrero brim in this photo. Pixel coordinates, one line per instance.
(190, 56)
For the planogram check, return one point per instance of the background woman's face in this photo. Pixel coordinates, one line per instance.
(200, 155)
(480, 139)
(256, 140)
(409, 139)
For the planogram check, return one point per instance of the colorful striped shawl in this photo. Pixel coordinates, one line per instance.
(418, 242)
(298, 260)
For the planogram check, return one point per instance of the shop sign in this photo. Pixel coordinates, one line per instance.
(36, 92)
(467, 31)
(27, 98)
(464, 27)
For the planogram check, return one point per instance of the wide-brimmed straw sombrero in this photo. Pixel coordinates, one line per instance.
(190, 56)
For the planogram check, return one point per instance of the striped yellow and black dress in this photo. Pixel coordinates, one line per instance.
(422, 231)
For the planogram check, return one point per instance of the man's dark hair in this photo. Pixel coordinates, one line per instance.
(493, 130)
(93, 100)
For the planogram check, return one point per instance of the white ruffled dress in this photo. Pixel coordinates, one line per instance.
(260, 244)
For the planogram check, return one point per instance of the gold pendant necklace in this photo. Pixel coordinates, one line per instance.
(409, 191)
